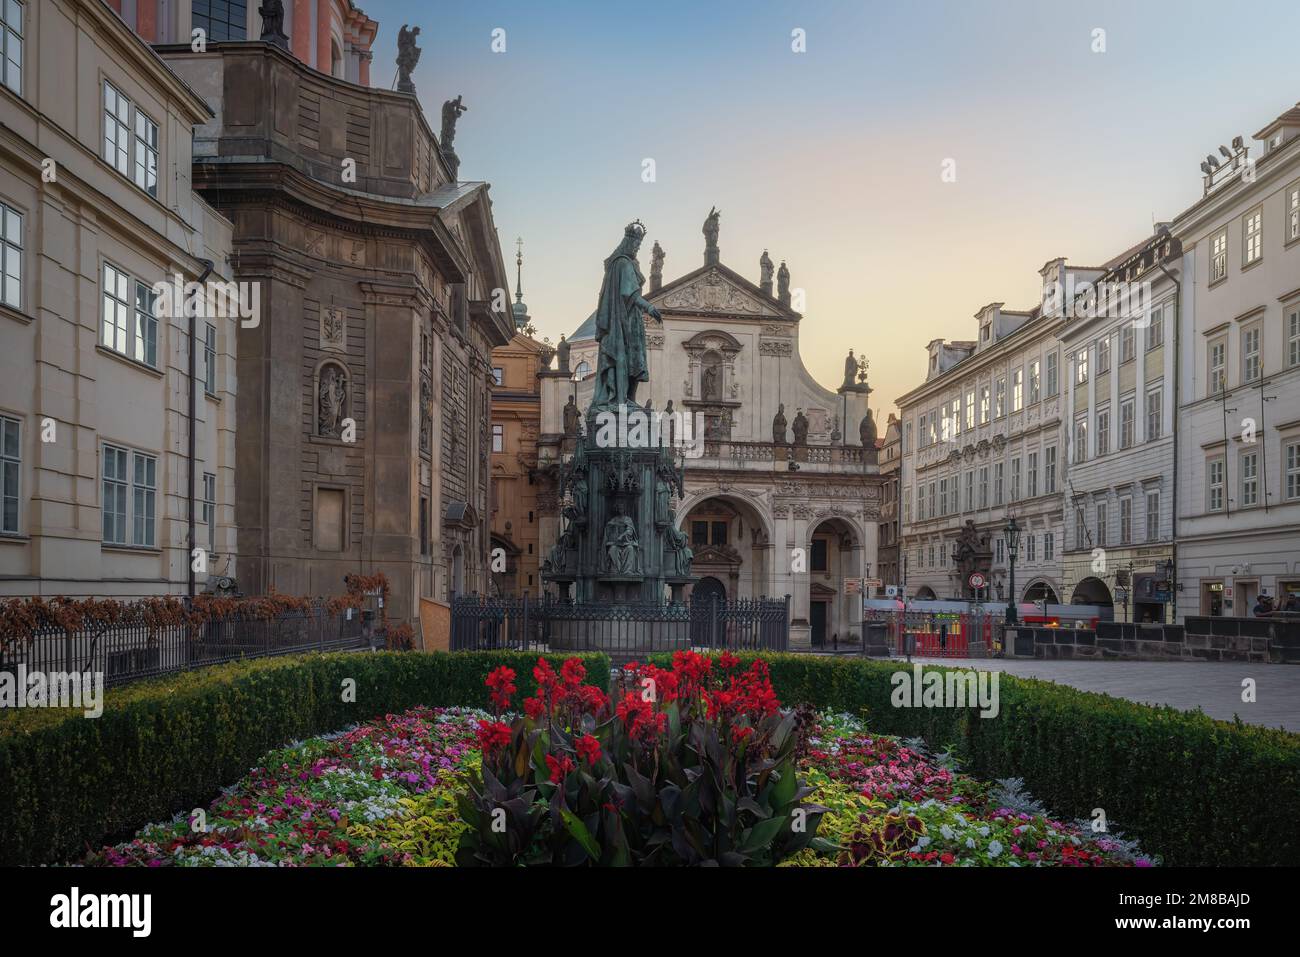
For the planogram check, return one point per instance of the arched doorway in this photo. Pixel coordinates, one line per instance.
(925, 593)
(707, 595)
(1041, 591)
(730, 543)
(1092, 591)
(834, 554)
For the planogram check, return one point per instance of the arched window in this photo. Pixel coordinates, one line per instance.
(583, 370)
(336, 60)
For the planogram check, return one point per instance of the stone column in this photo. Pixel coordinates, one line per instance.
(301, 33)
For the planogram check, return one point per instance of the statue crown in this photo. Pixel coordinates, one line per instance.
(635, 228)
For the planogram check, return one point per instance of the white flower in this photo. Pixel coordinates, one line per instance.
(922, 841)
(984, 831)
(970, 842)
(995, 848)
(947, 832)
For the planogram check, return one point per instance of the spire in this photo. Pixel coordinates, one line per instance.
(519, 310)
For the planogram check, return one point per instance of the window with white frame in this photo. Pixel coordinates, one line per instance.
(1080, 529)
(1155, 409)
(1249, 479)
(1031, 476)
(970, 409)
(1052, 361)
(1015, 479)
(1252, 237)
(11, 256)
(1125, 520)
(1293, 336)
(1000, 547)
(933, 510)
(984, 405)
(1127, 342)
(1293, 212)
(1103, 431)
(1218, 363)
(943, 496)
(210, 359)
(1081, 440)
(1035, 384)
(130, 140)
(10, 473)
(907, 506)
(1000, 398)
(1250, 360)
(1017, 390)
(997, 483)
(1156, 329)
(1127, 411)
(130, 488)
(11, 44)
(1101, 524)
(970, 491)
(1153, 515)
(1214, 485)
(1103, 355)
(1049, 470)
(129, 326)
(1030, 539)
(210, 508)
(1081, 367)
(1291, 460)
(498, 438)
(1219, 256)
(1049, 546)
(984, 486)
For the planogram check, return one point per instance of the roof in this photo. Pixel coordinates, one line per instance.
(585, 331)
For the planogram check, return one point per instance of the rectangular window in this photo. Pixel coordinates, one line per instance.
(1219, 257)
(498, 375)
(130, 140)
(1049, 546)
(1015, 479)
(1155, 409)
(1017, 390)
(1293, 337)
(1250, 364)
(1103, 431)
(1051, 373)
(1293, 212)
(1101, 524)
(1081, 440)
(1035, 384)
(210, 359)
(498, 438)
(1031, 476)
(1153, 516)
(1030, 539)
(943, 496)
(1292, 460)
(1214, 485)
(1000, 398)
(330, 530)
(933, 505)
(146, 154)
(11, 257)
(1080, 529)
(129, 492)
(424, 527)
(1000, 548)
(984, 486)
(819, 555)
(970, 410)
(1156, 329)
(1218, 361)
(699, 534)
(129, 325)
(1127, 343)
(1049, 469)
(997, 483)
(1252, 237)
(970, 491)
(11, 44)
(210, 508)
(1125, 521)
(1103, 355)
(1081, 367)
(1249, 479)
(10, 473)
(984, 405)
(1127, 411)
(907, 506)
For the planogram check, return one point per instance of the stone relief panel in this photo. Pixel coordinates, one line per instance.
(333, 329)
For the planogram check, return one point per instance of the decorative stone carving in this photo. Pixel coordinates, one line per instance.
(712, 292)
(622, 548)
(333, 329)
(779, 426)
(800, 428)
(767, 347)
(332, 400)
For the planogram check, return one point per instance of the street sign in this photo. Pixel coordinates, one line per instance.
(977, 580)
(891, 591)
(851, 584)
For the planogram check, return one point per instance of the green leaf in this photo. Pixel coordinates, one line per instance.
(580, 833)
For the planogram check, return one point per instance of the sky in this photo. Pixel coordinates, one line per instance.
(832, 158)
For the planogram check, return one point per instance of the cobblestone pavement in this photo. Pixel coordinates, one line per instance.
(1213, 686)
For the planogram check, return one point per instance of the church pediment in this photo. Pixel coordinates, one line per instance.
(715, 290)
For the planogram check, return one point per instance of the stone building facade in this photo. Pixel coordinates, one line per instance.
(1238, 451)
(364, 394)
(96, 396)
(981, 442)
(767, 514)
(889, 568)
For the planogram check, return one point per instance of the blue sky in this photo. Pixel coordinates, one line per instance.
(831, 158)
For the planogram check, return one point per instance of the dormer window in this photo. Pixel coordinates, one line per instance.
(986, 331)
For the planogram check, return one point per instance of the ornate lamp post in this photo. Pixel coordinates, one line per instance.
(1013, 548)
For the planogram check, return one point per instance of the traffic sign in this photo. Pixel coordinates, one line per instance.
(977, 580)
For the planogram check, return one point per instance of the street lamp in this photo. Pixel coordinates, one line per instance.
(1013, 548)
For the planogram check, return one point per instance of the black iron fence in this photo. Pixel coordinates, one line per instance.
(623, 631)
(127, 652)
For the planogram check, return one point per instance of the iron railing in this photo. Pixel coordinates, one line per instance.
(623, 631)
(129, 651)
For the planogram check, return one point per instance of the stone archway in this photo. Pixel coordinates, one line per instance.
(1040, 589)
(730, 540)
(1092, 591)
(834, 553)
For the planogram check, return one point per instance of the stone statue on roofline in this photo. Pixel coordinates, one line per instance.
(408, 55)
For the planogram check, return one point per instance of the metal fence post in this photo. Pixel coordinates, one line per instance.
(527, 633)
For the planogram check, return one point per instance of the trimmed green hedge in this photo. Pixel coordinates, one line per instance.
(171, 744)
(1195, 790)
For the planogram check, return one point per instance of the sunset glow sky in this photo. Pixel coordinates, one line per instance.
(831, 158)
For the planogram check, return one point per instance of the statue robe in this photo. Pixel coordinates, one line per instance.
(620, 332)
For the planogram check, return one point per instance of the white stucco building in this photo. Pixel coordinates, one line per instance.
(1238, 475)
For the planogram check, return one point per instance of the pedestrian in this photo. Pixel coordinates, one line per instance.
(1263, 606)
(1292, 602)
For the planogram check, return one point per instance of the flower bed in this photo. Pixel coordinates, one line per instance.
(409, 789)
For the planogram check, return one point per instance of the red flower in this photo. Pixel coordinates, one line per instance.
(573, 672)
(588, 749)
(559, 768)
(533, 707)
(728, 660)
(492, 736)
(501, 681)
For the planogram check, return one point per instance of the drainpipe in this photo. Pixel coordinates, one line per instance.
(189, 556)
(1178, 368)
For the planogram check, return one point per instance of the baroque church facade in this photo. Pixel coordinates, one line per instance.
(782, 487)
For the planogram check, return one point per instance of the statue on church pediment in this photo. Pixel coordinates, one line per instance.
(656, 266)
(867, 431)
(778, 426)
(408, 55)
(850, 371)
(783, 284)
(800, 427)
(710, 231)
(765, 272)
(572, 418)
(272, 12)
